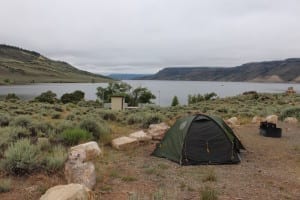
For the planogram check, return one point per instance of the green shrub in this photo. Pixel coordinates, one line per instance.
(70, 117)
(99, 130)
(62, 125)
(21, 158)
(47, 97)
(7, 80)
(209, 194)
(145, 119)
(5, 137)
(40, 127)
(11, 96)
(55, 115)
(135, 118)
(5, 185)
(91, 126)
(159, 195)
(56, 159)
(58, 108)
(152, 118)
(43, 143)
(16, 133)
(175, 101)
(211, 176)
(109, 115)
(290, 112)
(75, 135)
(74, 97)
(129, 178)
(4, 120)
(23, 121)
(90, 103)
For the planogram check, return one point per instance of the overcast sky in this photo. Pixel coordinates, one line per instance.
(143, 36)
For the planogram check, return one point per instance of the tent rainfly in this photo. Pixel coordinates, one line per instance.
(200, 139)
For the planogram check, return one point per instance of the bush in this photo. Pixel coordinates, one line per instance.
(74, 97)
(60, 126)
(23, 121)
(198, 97)
(175, 101)
(4, 120)
(16, 133)
(152, 118)
(75, 135)
(209, 194)
(211, 176)
(21, 158)
(56, 159)
(58, 108)
(109, 115)
(43, 143)
(5, 185)
(105, 136)
(70, 117)
(5, 137)
(145, 119)
(91, 126)
(12, 96)
(290, 112)
(40, 127)
(90, 103)
(47, 97)
(135, 118)
(98, 130)
(55, 115)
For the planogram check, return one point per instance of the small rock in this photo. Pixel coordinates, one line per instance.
(85, 152)
(68, 192)
(82, 173)
(124, 142)
(140, 136)
(157, 131)
(272, 119)
(291, 120)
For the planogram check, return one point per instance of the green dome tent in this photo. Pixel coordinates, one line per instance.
(200, 139)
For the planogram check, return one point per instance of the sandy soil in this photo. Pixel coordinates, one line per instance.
(270, 169)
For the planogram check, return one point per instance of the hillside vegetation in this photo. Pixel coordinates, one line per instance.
(269, 169)
(19, 66)
(271, 71)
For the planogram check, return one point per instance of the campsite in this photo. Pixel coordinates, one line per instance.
(269, 168)
(150, 100)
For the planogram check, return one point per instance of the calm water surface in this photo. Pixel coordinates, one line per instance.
(163, 90)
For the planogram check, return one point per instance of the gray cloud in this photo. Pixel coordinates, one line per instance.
(145, 36)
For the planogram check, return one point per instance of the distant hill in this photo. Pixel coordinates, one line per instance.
(270, 71)
(127, 76)
(19, 66)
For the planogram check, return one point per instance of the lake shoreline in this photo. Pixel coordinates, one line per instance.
(163, 90)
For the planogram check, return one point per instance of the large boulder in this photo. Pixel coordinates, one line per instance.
(291, 120)
(68, 192)
(124, 142)
(233, 121)
(80, 172)
(140, 136)
(85, 152)
(257, 120)
(157, 131)
(272, 119)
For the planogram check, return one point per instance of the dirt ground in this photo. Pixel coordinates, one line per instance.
(270, 169)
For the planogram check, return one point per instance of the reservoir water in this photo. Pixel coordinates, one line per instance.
(163, 90)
